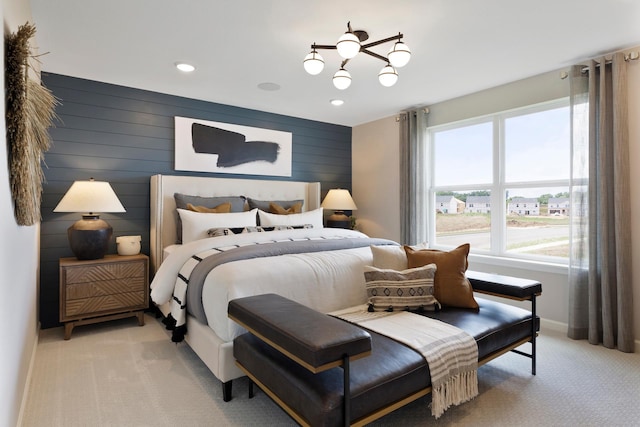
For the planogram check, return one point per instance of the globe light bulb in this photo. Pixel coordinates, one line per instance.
(399, 55)
(313, 63)
(348, 45)
(388, 76)
(342, 79)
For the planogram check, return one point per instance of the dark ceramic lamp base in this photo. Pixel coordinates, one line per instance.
(339, 220)
(89, 237)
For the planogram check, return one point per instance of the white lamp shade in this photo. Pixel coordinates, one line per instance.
(313, 63)
(342, 79)
(339, 199)
(348, 45)
(388, 76)
(399, 55)
(90, 196)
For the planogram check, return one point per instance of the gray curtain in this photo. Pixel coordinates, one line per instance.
(600, 286)
(413, 184)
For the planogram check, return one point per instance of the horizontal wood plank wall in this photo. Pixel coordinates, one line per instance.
(124, 135)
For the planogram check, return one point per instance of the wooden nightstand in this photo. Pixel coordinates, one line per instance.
(110, 288)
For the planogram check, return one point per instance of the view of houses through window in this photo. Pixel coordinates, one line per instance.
(501, 183)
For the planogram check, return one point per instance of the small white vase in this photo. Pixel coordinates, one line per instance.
(128, 245)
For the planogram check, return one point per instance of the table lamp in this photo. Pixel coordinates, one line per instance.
(89, 237)
(339, 200)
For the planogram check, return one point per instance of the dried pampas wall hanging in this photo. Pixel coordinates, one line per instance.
(30, 111)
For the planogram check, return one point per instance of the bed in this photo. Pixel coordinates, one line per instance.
(320, 268)
(322, 280)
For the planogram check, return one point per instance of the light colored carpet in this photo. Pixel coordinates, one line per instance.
(119, 374)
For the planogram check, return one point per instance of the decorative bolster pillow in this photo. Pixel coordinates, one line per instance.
(313, 217)
(411, 289)
(195, 225)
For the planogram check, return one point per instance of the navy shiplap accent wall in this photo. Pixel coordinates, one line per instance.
(124, 135)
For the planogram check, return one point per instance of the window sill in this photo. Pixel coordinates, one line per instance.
(524, 264)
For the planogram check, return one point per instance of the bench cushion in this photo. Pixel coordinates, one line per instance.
(494, 326)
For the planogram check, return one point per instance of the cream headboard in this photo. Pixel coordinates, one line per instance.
(163, 206)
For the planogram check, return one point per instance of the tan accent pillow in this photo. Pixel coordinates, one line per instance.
(221, 208)
(275, 208)
(452, 288)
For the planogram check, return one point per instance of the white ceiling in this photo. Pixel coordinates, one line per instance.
(458, 46)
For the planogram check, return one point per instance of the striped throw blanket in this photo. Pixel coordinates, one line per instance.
(451, 353)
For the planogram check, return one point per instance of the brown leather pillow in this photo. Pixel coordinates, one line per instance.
(275, 208)
(452, 288)
(221, 208)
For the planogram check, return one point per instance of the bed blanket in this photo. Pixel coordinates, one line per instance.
(451, 353)
(188, 283)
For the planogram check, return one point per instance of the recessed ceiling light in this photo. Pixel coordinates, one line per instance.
(337, 102)
(269, 86)
(187, 68)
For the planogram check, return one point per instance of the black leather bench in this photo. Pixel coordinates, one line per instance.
(326, 372)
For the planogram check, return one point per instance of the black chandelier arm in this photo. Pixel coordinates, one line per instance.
(375, 55)
(388, 39)
(363, 48)
(323, 46)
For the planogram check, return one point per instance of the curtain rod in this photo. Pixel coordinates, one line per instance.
(631, 56)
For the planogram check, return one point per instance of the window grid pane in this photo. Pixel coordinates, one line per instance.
(532, 190)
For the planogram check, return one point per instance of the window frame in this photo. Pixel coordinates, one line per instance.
(497, 188)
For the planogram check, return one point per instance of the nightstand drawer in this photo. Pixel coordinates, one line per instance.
(95, 273)
(104, 288)
(105, 304)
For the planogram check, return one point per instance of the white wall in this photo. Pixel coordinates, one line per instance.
(18, 269)
(375, 181)
(375, 178)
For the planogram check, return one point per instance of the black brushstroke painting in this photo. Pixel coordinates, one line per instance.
(232, 148)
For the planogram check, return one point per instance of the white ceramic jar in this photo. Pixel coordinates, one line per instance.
(128, 245)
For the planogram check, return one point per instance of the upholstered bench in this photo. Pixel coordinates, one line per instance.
(326, 372)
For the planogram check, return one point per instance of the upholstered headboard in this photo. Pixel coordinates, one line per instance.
(163, 207)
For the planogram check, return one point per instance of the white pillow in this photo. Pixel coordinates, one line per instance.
(195, 225)
(389, 257)
(313, 217)
(392, 257)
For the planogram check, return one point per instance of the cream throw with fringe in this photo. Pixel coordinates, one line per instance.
(451, 353)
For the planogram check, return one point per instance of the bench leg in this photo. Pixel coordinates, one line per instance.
(251, 389)
(347, 390)
(533, 335)
(226, 390)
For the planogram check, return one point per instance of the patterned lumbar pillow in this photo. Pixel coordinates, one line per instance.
(411, 289)
(217, 232)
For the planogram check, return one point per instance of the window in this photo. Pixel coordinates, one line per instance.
(507, 175)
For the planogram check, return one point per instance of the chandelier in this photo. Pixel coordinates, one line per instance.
(348, 46)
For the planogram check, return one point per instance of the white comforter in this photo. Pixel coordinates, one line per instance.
(325, 281)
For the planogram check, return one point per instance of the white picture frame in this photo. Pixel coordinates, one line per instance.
(207, 146)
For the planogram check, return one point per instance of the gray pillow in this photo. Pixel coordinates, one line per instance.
(237, 205)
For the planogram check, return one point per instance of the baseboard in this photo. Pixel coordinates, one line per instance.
(553, 325)
(32, 361)
(556, 326)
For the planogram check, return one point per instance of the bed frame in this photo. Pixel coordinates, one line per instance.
(214, 352)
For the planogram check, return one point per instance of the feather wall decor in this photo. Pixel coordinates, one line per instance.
(30, 112)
